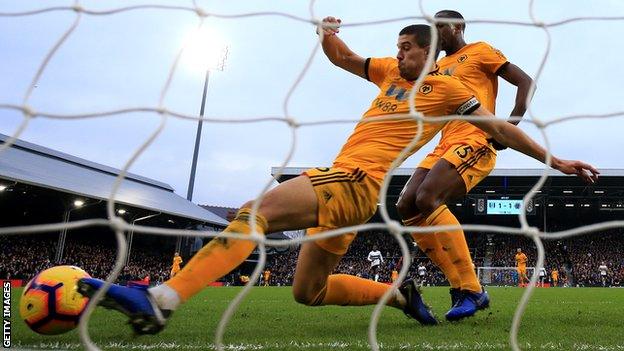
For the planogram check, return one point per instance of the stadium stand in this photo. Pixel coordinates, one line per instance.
(39, 185)
(576, 259)
(30, 196)
(30, 255)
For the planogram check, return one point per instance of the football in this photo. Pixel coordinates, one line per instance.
(50, 303)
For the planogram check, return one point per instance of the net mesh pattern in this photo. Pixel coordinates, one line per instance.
(396, 229)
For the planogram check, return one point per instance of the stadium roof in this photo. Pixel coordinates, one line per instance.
(518, 181)
(561, 202)
(32, 164)
(220, 211)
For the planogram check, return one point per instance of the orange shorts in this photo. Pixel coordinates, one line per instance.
(522, 270)
(473, 159)
(345, 198)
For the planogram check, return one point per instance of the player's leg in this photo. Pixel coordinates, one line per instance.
(314, 285)
(345, 202)
(291, 205)
(314, 266)
(458, 170)
(376, 273)
(441, 184)
(427, 242)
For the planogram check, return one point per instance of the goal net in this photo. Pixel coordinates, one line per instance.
(29, 108)
(501, 276)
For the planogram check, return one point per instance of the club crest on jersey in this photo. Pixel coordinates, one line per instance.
(426, 89)
(462, 58)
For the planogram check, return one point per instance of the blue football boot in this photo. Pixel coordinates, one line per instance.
(135, 302)
(468, 305)
(456, 295)
(415, 306)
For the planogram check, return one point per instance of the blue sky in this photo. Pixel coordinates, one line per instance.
(123, 60)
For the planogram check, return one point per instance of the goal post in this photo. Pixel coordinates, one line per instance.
(501, 276)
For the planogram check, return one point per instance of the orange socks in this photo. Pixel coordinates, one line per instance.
(433, 249)
(349, 290)
(217, 258)
(454, 243)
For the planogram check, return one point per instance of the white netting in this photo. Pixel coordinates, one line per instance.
(119, 225)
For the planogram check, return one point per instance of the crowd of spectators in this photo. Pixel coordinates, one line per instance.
(98, 260)
(577, 259)
(24, 257)
(355, 261)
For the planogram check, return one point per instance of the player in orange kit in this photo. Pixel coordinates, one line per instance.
(554, 275)
(341, 196)
(266, 277)
(521, 261)
(463, 157)
(175, 267)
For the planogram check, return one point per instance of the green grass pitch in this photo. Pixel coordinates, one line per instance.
(269, 319)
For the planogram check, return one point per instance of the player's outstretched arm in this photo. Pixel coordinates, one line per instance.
(513, 137)
(338, 52)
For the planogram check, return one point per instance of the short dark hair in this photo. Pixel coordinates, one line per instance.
(422, 32)
(452, 14)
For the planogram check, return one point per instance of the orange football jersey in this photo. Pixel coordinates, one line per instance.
(476, 65)
(176, 261)
(521, 259)
(374, 145)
